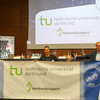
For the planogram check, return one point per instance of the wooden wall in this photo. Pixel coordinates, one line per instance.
(14, 22)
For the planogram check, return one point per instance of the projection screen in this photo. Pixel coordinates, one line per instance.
(63, 24)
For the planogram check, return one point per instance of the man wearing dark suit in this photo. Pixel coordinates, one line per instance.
(93, 56)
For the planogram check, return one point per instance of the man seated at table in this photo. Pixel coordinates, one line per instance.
(93, 56)
(47, 56)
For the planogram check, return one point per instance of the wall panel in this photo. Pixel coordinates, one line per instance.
(14, 22)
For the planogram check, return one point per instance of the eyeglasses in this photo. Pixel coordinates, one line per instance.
(98, 45)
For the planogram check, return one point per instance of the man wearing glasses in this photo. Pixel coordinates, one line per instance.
(93, 56)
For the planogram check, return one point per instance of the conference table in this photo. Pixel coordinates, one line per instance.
(73, 59)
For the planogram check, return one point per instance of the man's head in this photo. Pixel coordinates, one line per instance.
(46, 50)
(98, 46)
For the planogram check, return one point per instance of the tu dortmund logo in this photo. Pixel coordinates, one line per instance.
(29, 85)
(44, 20)
(16, 72)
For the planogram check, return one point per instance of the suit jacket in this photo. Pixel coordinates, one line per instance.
(91, 56)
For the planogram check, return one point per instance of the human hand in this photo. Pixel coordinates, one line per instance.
(1, 60)
(68, 60)
(34, 60)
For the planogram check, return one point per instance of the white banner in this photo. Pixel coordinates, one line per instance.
(51, 80)
(41, 80)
